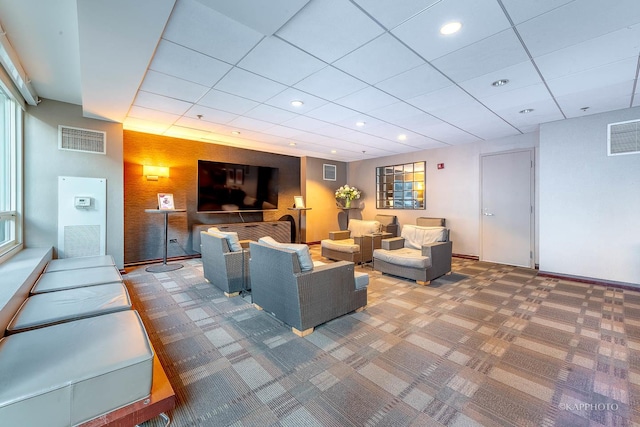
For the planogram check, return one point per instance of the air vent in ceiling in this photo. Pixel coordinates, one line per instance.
(85, 140)
(623, 138)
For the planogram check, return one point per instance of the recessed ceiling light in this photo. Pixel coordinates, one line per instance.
(360, 124)
(450, 28)
(500, 82)
(402, 137)
(235, 132)
(526, 110)
(333, 151)
(297, 103)
(292, 144)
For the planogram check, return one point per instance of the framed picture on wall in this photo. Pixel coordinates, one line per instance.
(329, 172)
(239, 176)
(298, 202)
(165, 201)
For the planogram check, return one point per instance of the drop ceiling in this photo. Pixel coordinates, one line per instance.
(226, 72)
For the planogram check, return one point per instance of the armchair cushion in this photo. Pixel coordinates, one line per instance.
(406, 257)
(415, 236)
(231, 236)
(344, 245)
(359, 227)
(301, 250)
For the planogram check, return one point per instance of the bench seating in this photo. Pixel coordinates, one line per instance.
(58, 307)
(80, 262)
(69, 279)
(66, 374)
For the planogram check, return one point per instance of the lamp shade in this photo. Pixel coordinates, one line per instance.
(155, 171)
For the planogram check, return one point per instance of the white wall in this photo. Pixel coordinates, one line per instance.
(452, 192)
(44, 163)
(589, 202)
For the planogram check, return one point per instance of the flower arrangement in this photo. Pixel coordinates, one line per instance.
(348, 194)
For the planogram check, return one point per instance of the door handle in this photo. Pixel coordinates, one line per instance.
(488, 214)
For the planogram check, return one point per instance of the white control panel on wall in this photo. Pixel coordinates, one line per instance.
(82, 216)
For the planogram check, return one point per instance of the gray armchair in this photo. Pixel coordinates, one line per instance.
(355, 244)
(225, 269)
(422, 253)
(286, 284)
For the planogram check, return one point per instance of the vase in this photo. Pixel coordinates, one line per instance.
(347, 203)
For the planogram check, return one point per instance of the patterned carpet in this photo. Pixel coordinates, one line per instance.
(488, 345)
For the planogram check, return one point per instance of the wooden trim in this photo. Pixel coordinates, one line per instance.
(472, 257)
(162, 399)
(587, 280)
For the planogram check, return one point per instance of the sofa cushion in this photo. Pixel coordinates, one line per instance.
(359, 227)
(232, 238)
(406, 257)
(415, 236)
(344, 245)
(79, 262)
(301, 250)
(69, 279)
(362, 279)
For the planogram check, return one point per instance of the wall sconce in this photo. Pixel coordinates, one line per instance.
(153, 172)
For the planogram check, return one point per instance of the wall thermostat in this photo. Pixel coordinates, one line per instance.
(82, 202)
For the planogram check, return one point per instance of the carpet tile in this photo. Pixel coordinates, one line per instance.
(487, 345)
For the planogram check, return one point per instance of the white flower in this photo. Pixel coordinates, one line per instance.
(347, 192)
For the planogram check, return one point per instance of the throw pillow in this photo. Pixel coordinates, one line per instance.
(301, 250)
(231, 236)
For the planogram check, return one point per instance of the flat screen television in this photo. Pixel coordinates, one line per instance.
(232, 187)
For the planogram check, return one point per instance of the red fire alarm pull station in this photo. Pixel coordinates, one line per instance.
(440, 165)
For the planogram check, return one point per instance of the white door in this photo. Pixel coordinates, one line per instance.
(507, 208)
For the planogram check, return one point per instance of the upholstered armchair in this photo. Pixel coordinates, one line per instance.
(422, 253)
(355, 244)
(225, 261)
(286, 283)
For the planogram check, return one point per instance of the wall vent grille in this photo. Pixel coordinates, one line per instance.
(623, 138)
(85, 140)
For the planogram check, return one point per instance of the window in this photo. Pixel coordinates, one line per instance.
(10, 145)
(400, 186)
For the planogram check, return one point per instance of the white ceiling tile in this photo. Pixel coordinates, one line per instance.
(270, 114)
(249, 123)
(332, 112)
(210, 114)
(519, 76)
(479, 18)
(280, 61)
(329, 29)
(284, 98)
(187, 64)
(265, 17)
(577, 22)
(518, 98)
(607, 97)
(173, 87)
(303, 123)
(466, 115)
(393, 113)
(367, 99)
(161, 103)
(521, 11)
(613, 47)
(545, 110)
(184, 132)
(282, 131)
(227, 102)
(487, 55)
(450, 96)
(391, 14)
(450, 134)
(379, 60)
(415, 82)
(191, 25)
(146, 126)
(351, 122)
(418, 122)
(617, 72)
(249, 85)
(330, 83)
(203, 125)
(310, 137)
(391, 132)
(152, 115)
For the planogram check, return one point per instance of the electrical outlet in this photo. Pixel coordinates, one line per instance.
(173, 241)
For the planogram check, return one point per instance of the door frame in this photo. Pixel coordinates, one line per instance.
(532, 201)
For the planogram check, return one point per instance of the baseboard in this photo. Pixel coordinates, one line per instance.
(471, 257)
(590, 281)
(155, 261)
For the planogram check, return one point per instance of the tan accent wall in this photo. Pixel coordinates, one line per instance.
(324, 215)
(144, 231)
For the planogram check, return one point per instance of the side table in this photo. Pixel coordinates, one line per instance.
(164, 267)
(376, 243)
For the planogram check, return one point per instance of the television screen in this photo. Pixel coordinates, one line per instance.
(236, 187)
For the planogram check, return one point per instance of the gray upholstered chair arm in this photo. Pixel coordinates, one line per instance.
(339, 235)
(393, 243)
(440, 254)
